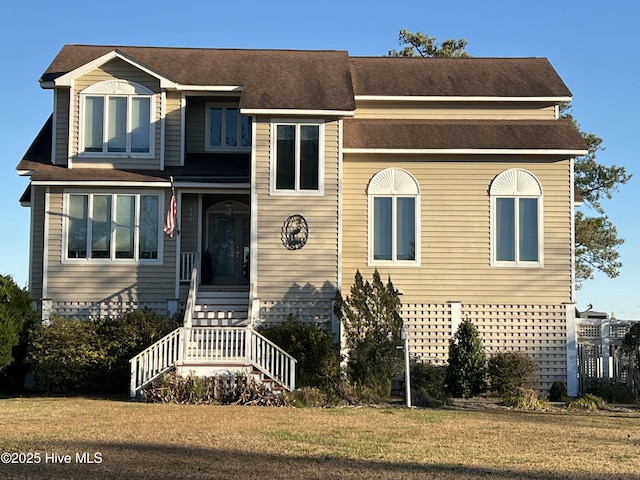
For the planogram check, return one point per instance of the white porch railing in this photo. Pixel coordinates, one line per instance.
(188, 261)
(155, 360)
(206, 346)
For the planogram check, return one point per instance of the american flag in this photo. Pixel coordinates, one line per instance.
(172, 213)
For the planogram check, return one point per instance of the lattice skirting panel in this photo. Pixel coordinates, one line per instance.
(90, 310)
(312, 310)
(537, 330)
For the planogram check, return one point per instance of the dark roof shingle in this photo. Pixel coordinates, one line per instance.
(475, 77)
(462, 134)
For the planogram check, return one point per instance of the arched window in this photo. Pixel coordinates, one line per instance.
(116, 119)
(394, 218)
(516, 219)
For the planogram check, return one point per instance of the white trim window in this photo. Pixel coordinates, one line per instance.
(226, 128)
(516, 220)
(394, 218)
(297, 153)
(116, 119)
(113, 227)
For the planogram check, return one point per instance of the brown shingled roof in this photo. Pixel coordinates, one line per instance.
(271, 79)
(462, 134)
(478, 77)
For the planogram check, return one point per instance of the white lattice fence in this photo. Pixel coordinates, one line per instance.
(89, 310)
(537, 330)
(430, 327)
(313, 310)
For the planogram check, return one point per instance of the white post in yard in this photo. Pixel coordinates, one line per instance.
(404, 335)
(572, 350)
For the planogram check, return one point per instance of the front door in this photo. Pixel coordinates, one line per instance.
(228, 243)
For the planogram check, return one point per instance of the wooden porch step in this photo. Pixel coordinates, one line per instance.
(229, 308)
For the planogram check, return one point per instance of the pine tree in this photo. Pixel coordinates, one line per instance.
(467, 370)
(372, 322)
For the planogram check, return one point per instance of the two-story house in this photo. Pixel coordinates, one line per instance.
(290, 171)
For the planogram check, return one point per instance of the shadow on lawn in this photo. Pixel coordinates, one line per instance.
(163, 462)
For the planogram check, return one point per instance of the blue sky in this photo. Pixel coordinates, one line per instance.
(594, 45)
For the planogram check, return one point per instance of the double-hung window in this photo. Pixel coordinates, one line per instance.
(516, 205)
(116, 120)
(226, 128)
(297, 153)
(394, 218)
(115, 227)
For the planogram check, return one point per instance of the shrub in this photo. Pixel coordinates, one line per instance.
(428, 385)
(219, 390)
(92, 356)
(466, 372)
(611, 392)
(509, 371)
(308, 397)
(16, 318)
(524, 399)
(558, 392)
(371, 320)
(587, 402)
(312, 346)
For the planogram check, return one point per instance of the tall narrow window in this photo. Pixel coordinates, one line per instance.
(297, 155)
(116, 119)
(516, 204)
(394, 218)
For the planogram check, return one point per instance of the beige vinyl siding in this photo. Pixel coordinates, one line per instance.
(173, 129)
(455, 232)
(116, 69)
(189, 223)
(37, 240)
(455, 110)
(194, 133)
(312, 270)
(92, 282)
(62, 126)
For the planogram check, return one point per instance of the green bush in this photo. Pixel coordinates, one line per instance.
(308, 397)
(524, 399)
(428, 385)
(467, 369)
(509, 371)
(16, 318)
(587, 402)
(372, 322)
(312, 346)
(558, 392)
(92, 356)
(611, 392)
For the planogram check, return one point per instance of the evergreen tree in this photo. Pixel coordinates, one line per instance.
(467, 370)
(371, 321)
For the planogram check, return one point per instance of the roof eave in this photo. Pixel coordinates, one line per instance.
(66, 80)
(466, 151)
(451, 98)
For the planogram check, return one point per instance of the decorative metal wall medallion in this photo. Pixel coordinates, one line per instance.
(295, 232)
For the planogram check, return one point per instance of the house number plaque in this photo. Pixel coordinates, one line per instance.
(295, 232)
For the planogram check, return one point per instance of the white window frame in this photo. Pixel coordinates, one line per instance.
(274, 157)
(112, 253)
(207, 126)
(122, 89)
(393, 183)
(516, 184)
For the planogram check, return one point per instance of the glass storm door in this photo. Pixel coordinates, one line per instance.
(229, 247)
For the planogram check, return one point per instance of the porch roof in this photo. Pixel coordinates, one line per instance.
(459, 135)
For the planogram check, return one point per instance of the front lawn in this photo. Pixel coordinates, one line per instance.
(128, 440)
